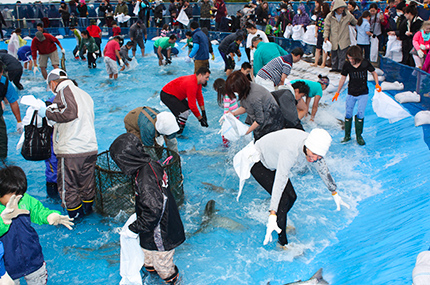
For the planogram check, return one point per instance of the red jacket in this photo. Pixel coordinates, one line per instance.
(45, 47)
(94, 31)
(186, 87)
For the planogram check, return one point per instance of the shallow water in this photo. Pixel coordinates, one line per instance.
(376, 242)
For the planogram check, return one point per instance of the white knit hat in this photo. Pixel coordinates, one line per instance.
(55, 74)
(318, 141)
(166, 123)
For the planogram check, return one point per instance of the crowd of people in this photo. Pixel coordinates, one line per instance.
(273, 104)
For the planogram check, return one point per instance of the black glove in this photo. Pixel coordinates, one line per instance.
(373, 36)
(203, 122)
(168, 60)
(204, 115)
(145, 41)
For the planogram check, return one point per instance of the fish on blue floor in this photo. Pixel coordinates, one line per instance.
(316, 279)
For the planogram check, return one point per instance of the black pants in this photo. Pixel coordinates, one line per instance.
(3, 137)
(174, 104)
(98, 43)
(266, 178)
(15, 77)
(205, 23)
(91, 60)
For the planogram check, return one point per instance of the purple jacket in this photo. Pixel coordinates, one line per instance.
(303, 18)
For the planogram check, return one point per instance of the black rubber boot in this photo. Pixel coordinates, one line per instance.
(88, 206)
(76, 213)
(52, 190)
(359, 130)
(174, 278)
(348, 126)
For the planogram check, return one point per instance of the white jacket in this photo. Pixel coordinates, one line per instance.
(74, 132)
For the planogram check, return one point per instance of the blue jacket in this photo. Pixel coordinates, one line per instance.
(200, 45)
(23, 253)
(2, 268)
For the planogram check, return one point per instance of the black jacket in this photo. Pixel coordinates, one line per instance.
(158, 222)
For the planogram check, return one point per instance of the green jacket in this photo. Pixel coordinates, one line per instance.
(38, 213)
(264, 53)
(121, 8)
(89, 44)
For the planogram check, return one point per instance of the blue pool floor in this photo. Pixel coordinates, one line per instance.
(375, 242)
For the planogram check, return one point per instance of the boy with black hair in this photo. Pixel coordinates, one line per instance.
(18, 211)
(123, 52)
(246, 69)
(158, 225)
(40, 28)
(189, 43)
(165, 47)
(89, 45)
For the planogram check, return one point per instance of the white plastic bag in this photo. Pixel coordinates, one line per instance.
(232, 129)
(132, 257)
(394, 49)
(408, 97)
(374, 47)
(396, 85)
(288, 31)
(421, 272)
(385, 107)
(243, 162)
(13, 46)
(183, 18)
(309, 36)
(327, 46)
(353, 35)
(298, 32)
(422, 118)
(136, 8)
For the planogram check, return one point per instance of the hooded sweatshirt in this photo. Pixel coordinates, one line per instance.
(338, 31)
(158, 221)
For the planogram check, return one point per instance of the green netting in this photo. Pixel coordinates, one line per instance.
(115, 190)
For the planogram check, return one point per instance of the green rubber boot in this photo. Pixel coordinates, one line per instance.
(348, 125)
(359, 130)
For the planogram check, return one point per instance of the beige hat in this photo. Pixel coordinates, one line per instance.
(166, 123)
(318, 141)
(40, 36)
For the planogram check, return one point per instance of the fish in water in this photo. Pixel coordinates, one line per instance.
(341, 123)
(212, 187)
(202, 152)
(316, 279)
(212, 220)
(63, 63)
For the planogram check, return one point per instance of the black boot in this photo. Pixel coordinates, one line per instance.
(52, 190)
(348, 126)
(359, 130)
(76, 213)
(88, 206)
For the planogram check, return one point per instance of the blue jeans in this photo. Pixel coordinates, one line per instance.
(361, 105)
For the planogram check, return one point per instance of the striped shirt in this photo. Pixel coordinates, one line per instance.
(276, 67)
(230, 104)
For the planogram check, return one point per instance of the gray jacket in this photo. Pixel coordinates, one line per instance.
(338, 31)
(137, 32)
(262, 108)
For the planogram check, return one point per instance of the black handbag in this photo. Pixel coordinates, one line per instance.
(37, 141)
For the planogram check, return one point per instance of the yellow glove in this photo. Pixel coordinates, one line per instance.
(213, 56)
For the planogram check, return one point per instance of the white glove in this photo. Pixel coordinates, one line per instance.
(272, 225)
(19, 127)
(121, 63)
(238, 58)
(35, 70)
(423, 47)
(94, 55)
(56, 219)
(63, 51)
(133, 58)
(42, 111)
(12, 211)
(129, 234)
(339, 202)
(77, 54)
(420, 53)
(187, 59)
(6, 280)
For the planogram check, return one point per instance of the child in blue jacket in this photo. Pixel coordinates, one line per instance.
(23, 254)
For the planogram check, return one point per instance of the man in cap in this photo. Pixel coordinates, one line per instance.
(75, 142)
(137, 31)
(152, 127)
(273, 170)
(7, 91)
(44, 44)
